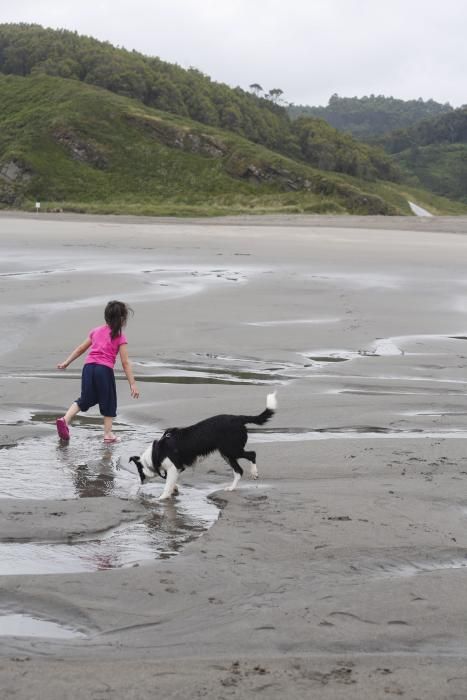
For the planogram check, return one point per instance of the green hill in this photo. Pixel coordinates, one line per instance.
(32, 50)
(29, 49)
(81, 148)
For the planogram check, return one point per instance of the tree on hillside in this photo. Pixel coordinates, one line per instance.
(257, 88)
(275, 94)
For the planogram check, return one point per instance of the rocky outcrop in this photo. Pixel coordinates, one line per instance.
(354, 200)
(13, 179)
(269, 174)
(14, 172)
(83, 151)
(179, 137)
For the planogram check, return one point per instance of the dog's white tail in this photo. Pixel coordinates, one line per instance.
(271, 405)
(271, 401)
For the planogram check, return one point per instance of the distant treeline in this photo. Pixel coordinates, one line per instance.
(33, 50)
(446, 129)
(434, 151)
(367, 117)
(425, 139)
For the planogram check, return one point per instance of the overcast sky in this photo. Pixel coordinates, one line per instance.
(310, 49)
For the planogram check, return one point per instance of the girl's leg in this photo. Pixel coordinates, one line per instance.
(86, 400)
(108, 421)
(107, 392)
(63, 423)
(108, 434)
(71, 413)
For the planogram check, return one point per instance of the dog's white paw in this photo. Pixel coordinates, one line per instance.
(164, 497)
(229, 488)
(253, 472)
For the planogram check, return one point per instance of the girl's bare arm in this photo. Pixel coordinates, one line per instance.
(76, 353)
(126, 364)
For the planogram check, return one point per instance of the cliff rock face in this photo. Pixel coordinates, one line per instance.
(13, 177)
(179, 137)
(84, 151)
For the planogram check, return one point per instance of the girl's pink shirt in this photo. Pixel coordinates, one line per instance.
(104, 349)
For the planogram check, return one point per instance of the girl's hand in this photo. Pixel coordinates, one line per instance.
(134, 391)
(62, 365)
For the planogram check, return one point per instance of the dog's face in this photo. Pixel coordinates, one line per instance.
(149, 462)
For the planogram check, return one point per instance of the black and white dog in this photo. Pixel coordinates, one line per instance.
(182, 447)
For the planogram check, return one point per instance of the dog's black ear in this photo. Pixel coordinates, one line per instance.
(157, 457)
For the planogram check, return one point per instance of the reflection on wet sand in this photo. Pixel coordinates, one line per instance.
(160, 535)
(23, 625)
(93, 484)
(84, 468)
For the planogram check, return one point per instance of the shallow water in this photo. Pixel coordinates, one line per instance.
(293, 322)
(166, 529)
(21, 625)
(225, 370)
(353, 433)
(45, 468)
(411, 567)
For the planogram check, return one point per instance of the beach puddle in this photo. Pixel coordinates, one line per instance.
(424, 567)
(406, 568)
(349, 433)
(433, 414)
(422, 344)
(46, 468)
(292, 322)
(325, 357)
(227, 370)
(360, 280)
(194, 376)
(388, 390)
(21, 625)
(378, 349)
(168, 527)
(410, 345)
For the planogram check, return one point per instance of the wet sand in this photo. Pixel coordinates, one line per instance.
(341, 572)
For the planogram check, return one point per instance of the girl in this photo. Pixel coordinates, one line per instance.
(97, 379)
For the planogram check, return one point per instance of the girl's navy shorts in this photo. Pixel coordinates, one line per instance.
(98, 387)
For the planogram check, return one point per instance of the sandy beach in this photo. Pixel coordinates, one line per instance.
(341, 572)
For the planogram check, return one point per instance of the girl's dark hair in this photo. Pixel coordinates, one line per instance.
(116, 315)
